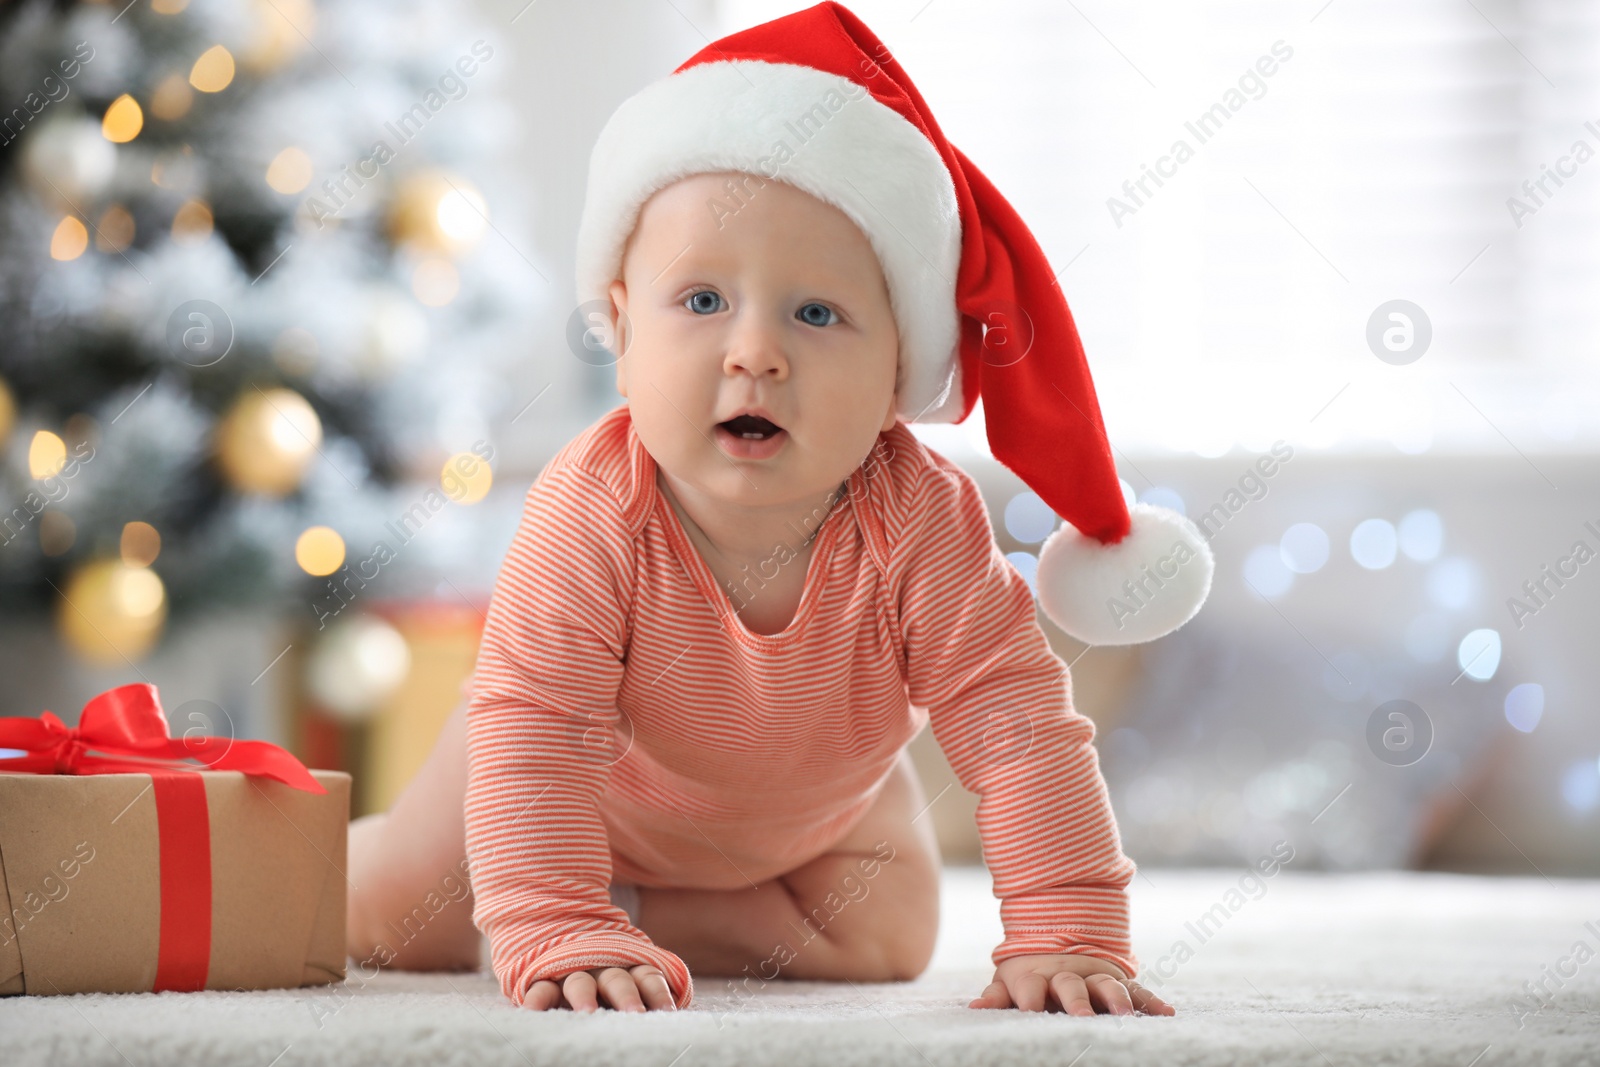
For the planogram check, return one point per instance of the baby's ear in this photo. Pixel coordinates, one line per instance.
(889, 418)
(618, 291)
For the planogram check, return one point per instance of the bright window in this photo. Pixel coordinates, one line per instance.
(1381, 159)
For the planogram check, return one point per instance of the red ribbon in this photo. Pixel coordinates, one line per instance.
(128, 725)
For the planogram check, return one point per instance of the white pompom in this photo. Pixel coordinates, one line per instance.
(1141, 588)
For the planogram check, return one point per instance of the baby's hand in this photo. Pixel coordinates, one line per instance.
(1079, 985)
(621, 989)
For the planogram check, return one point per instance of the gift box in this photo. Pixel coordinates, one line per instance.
(125, 867)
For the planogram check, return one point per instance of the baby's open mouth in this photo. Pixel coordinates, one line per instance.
(751, 427)
(751, 437)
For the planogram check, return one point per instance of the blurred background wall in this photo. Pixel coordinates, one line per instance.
(1374, 262)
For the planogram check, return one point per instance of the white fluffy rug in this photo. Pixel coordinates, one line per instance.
(1383, 968)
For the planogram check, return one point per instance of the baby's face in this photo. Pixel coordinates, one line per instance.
(779, 305)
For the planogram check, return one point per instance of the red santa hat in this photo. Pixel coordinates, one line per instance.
(815, 100)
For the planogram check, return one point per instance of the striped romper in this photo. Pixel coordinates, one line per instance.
(625, 727)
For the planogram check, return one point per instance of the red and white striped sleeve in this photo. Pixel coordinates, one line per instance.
(549, 667)
(999, 702)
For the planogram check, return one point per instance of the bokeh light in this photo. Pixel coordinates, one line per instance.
(1525, 706)
(1027, 565)
(123, 120)
(1304, 547)
(140, 544)
(1374, 543)
(1453, 582)
(70, 239)
(137, 591)
(1163, 497)
(193, 222)
(319, 551)
(1264, 571)
(466, 478)
(1478, 655)
(290, 171)
(172, 99)
(1421, 535)
(47, 454)
(114, 232)
(1580, 785)
(1028, 518)
(213, 71)
(462, 214)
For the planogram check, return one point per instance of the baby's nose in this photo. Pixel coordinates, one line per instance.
(757, 351)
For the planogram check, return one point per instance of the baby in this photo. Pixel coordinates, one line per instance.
(734, 600)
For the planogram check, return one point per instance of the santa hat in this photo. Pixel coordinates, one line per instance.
(815, 100)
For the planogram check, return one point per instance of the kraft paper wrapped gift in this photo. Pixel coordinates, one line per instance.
(133, 870)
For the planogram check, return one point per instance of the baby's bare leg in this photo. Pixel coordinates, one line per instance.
(828, 920)
(836, 920)
(413, 856)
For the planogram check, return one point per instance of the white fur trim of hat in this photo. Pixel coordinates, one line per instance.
(823, 134)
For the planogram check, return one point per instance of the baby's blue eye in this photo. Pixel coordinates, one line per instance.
(811, 319)
(704, 307)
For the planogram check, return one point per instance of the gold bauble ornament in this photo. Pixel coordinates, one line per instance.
(267, 440)
(437, 212)
(356, 665)
(112, 612)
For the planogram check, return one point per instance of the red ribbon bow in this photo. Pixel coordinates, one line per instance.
(128, 724)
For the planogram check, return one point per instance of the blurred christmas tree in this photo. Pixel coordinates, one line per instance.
(251, 300)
